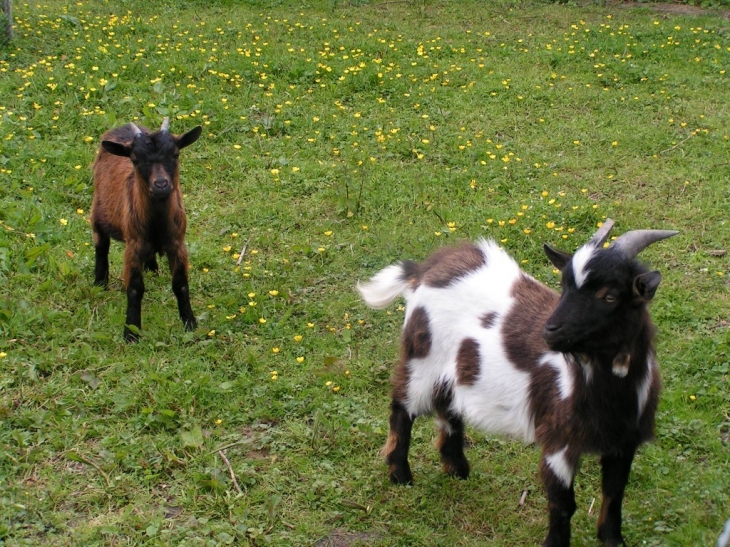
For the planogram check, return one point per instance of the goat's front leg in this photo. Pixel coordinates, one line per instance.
(398, 443)
(615, 470)
(451, 446)
(134, 282)
(557, 470)
(178, 260)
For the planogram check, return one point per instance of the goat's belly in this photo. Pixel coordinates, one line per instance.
(498, 406)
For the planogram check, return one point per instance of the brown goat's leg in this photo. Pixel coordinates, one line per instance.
(101, 267)
(398, 443)
(451, 446)
(134, 283)
(561, 498)
(178, 260)
(615, 471)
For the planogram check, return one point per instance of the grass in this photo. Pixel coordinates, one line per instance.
(340, 137)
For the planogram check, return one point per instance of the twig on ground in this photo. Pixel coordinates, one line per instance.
(243, 251)
(230, 470)
(523, 497)
(78, 457)
(680, 143)
(590, 509)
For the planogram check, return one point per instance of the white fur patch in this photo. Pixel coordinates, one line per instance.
(565, 380)
(643, 392)
(587, 367)
(444, 426)
(559, 465)
(620, 370)
(580, 262)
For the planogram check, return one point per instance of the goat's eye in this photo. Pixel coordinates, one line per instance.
(610, 298)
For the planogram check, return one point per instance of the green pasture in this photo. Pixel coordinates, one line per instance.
(338, 138)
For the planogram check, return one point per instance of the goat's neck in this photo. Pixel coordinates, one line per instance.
(629, 360)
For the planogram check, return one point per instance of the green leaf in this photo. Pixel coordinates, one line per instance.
(192, 438)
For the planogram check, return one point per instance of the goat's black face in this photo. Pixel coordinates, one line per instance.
(155, 158)
(602, 301)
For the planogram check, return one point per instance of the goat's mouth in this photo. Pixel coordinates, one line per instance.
(161, 193)
(557, 339)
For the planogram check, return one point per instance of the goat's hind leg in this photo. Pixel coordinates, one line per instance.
(150, 264)
(398, 443)
(451, 446)
(101, 266)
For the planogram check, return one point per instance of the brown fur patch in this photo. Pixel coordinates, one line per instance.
(602, 292)
(417, 336)
(522, 327)
(400, 382)
(390, 444)
(448, 264)
(488, 319)
(467, 362)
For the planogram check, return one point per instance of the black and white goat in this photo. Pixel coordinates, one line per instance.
(486, 344)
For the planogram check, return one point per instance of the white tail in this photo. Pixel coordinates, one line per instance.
(387, 285)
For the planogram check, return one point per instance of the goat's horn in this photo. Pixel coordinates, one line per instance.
(600, 237)
(137, 130)
(632, 243)
(165, 124)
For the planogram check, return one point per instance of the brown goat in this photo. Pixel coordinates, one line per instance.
(137, 200)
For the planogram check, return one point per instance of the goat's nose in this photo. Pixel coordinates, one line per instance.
(160, 182)
(550, 329)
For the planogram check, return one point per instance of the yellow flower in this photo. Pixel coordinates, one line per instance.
(300, 359)
(63, 222)
(262, 320)
(298, 338)
(3, 355)
(328, 233)
(275, 350)
(274, 292)
(251, 294)
(211, 334)
(227, 248)
(310, 325)
(218, 421)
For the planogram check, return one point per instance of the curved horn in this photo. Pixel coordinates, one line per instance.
(600, 237)
(137, 130)
(165, 124)
(632, 243)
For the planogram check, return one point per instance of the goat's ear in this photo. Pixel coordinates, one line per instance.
(188, 138)
(558, 258)
(117, 148)
(645, 286)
